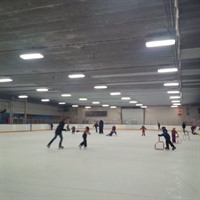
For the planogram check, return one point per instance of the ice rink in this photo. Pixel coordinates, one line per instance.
(123, 167)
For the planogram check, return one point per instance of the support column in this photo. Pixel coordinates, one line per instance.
(25, 111)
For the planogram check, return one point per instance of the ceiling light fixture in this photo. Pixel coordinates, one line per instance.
(22, 96)
(82, 99)
(139, 104)
(174, 97)
(5, 80)
(173, 106)
(66, 95)
(132, 101)
(45, 100)
(87, 107)
(76, 76)
(113, 106)
(105, 105)
(171, 84)
(31, 56)
(173, 92)
(95, 102)
(125, 98)
(42, 90)
(61, 103)
(160, 43)
(74, 106)
(176, 104)
(176, 101)
(167, 70)
(115, 93)
(100, 87)
(143, 106)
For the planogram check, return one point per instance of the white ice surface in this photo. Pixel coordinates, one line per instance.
(123, 167)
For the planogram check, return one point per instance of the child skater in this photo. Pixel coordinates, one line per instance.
(58, 132)
(96, 125)
(112, 131)
(143, 130)
(167, 138)
(86, 132)
(174, 134)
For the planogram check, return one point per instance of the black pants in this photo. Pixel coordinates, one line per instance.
(96, 130)
(56, 135)
(100, 129)
(84, 140)
(111, 133)
(169, 142)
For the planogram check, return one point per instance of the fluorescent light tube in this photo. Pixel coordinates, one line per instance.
(22, 96)
(82, 99)
(105, 105)
(42, 90)
(174, 106)
(115, 93)
(87, 106)
(95, 102)
(171, 84)
(174, 97)
(176, 101)
(113, 106)
(31, 56)
(139, 104)
(66, 95)
(61, 103)
(76, 76)
(125, 98)
(45, 100)
(132, 101)
(160, 43)
(5, 80)
(100, 87)
(173, 92)
(167, 70)
(74, 106)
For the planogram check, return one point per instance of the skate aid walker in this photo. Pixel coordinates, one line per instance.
(159, 145)
(178, 139)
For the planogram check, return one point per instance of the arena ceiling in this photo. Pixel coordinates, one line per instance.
(105, 41)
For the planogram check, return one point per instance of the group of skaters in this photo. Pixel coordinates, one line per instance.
(165, 134)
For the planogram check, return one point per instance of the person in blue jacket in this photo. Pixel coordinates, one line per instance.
(166, 135)
(58, 132)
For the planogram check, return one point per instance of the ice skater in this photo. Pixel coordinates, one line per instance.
(96, 126)
(58, 132)
(112, 131)
(101, 124)
(174, 135)
(167, 139)
(143, 130)
(183, 126)
(86, 132)
(158, 125)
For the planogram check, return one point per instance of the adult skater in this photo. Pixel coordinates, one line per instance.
(183, 126)
(112, 131)
(51, 125)
(101, 124)
(84, 143)
(143, 128)
(96, 126)
(58, 132)
(167, 138)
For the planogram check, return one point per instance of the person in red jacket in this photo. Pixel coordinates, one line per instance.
(86, 132)
(112, 131)
(174, 134)
(143, 130)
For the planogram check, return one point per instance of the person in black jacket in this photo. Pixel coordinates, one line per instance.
(58, 132)
(167, 138)
(96, 126)
(183, 126)
(101, 124)
(84, 136)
